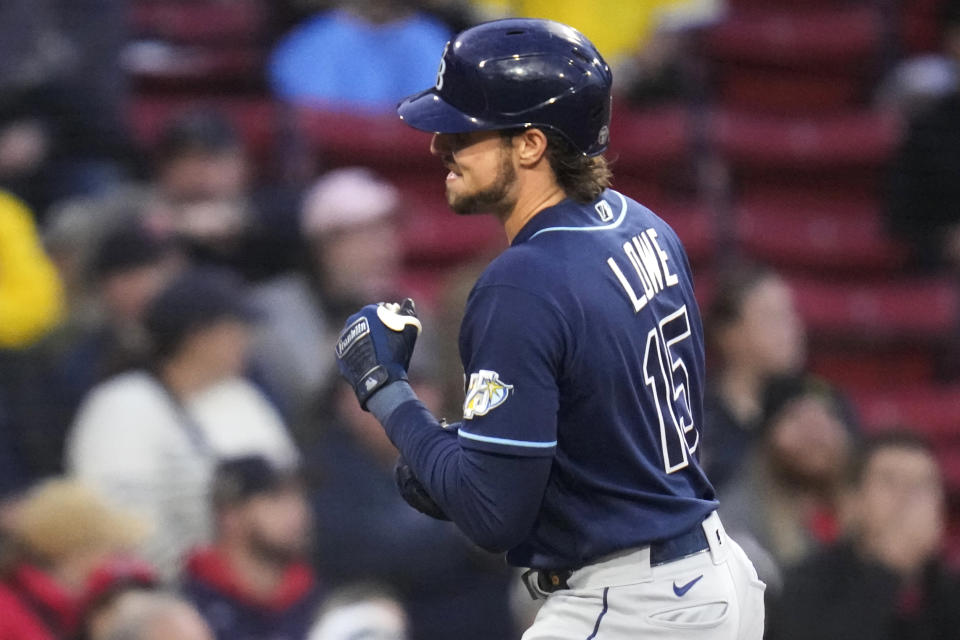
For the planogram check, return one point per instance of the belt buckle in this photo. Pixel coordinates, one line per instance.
(531, 580)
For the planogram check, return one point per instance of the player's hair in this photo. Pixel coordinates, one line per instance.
(583, 178)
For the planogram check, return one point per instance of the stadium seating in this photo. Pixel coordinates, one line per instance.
(795, 58)
(804, 233)
(198, 46)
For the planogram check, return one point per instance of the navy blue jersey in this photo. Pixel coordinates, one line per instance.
(583, 343)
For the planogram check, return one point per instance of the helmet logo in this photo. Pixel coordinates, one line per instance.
(604, 136)
(443, 67)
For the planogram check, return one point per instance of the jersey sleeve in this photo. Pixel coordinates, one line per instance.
(512, 347)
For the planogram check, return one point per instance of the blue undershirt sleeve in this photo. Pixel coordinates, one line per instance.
(494, 498)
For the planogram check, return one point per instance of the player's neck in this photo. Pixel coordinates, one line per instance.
(530, 202)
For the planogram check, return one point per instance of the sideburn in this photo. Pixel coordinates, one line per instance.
(495, 198)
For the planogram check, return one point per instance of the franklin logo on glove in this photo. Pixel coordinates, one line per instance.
(350, 336)
(375, 346)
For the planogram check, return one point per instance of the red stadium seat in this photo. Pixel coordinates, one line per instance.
(794, 58)
(788, 4)
(641, 140)
(795, 38)
(873, 366)
(379, 141)
(255, 118)
(197, 46)
(762, 90)
(203, 22)
(932, 410)
(817, 235)
(693, 223)
(198, 70)
(907, 309)
(854, 140)
(952, 543)
(920, 25)
(435, 236)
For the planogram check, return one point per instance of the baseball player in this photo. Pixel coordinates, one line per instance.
(582, 346)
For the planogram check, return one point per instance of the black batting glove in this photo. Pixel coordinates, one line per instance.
(375, 346)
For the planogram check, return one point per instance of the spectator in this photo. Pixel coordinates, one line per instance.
(149, 439)
(361, 611)
(885, 580)
(924, 197)
(350, 220)
(366, 532)
(59, 533)
(201, 192)
(31, 297)
(364, 55)
(31, 305)
(753, 332)
(917, 83)
(131, 266)
(252, 583)
(75, 230)
(782, 504)
(203, 177)
(61, 92)
(155, 616)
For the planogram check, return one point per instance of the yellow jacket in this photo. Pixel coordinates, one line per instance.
(618, 28)
(31, 296)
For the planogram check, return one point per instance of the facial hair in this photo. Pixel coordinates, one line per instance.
(494, 199)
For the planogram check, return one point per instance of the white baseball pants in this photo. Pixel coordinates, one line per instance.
(714, 594)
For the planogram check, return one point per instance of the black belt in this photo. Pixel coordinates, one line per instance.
(661, 552)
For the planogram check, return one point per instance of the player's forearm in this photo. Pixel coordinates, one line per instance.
(492, 498)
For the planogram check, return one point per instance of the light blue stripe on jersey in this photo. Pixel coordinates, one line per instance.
(512, 443)
(613, 225)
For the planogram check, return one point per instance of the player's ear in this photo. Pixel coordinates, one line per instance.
(530, 145)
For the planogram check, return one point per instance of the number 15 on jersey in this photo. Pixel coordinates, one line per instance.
(667, 378)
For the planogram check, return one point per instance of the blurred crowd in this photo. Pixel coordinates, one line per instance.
(178, 459)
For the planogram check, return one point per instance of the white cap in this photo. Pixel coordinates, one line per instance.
(344, 198)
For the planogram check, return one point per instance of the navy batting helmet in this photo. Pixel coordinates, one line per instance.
(514, 73)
